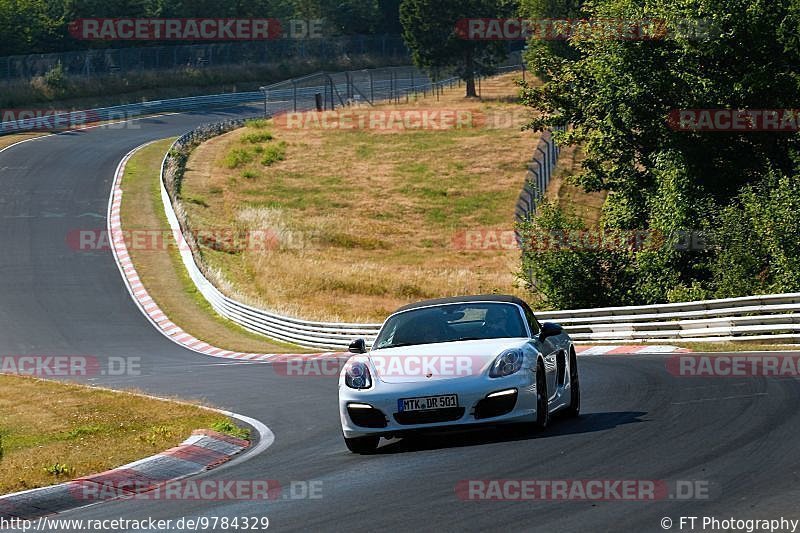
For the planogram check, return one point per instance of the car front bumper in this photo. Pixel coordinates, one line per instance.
(474, 405)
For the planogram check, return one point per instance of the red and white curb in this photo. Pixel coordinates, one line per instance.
(203, 451)
(151, 309)
(628, 350)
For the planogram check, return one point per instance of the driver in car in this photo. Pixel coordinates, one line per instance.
(496, 323)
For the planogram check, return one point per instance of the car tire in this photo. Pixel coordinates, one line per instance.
(542, 409)
(574, 409)
(362, 445)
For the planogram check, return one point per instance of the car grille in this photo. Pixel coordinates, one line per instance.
(498, 406)
(429, 417)
(367, 418)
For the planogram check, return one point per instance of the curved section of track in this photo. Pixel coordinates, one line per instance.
(639, 421)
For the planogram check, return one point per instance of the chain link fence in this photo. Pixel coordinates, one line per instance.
(89, 63)
(323, 91)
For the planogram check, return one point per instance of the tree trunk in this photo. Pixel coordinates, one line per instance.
(471, 92)
(469, 73)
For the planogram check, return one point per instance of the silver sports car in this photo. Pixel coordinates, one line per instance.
(454, 362)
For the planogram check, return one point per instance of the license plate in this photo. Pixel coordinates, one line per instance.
(427, 403)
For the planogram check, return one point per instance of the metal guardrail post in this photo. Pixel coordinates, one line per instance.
(266, 100)
(371, 88)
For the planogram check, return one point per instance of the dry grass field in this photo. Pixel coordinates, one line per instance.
(52, 432)
(365, 219)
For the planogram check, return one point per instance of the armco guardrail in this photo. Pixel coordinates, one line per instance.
(540, 172)
(757, 318)
(774, 318)
(127, 111)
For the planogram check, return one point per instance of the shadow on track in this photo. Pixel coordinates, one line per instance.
(587, 423)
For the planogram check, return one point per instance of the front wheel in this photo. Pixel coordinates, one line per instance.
(574, 408)
(542, 407)
(362, 445)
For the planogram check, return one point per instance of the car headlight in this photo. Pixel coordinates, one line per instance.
(507, 363)
(357, 376)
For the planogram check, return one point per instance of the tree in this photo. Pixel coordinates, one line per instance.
(536, 10)
(430, 31)
(617, 94)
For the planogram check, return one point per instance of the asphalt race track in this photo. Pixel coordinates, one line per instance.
(639, 422)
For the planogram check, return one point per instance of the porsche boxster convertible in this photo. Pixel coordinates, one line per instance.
(455, 362)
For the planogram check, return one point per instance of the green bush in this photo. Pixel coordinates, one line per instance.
(566, 273)
(238, 157)
(56, 78)
(758, 240)
(257, 123)
(274, 153)
(257, 137)
(229, 428)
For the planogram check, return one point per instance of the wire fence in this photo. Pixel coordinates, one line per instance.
(323, 91)
(90, 63)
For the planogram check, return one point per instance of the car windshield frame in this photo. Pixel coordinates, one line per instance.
(525, 328)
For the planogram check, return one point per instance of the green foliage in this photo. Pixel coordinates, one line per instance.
(551, 9)
(273, 153)
(617, 95)
(566, 274)
(257, 137)
(257, 123)
(238, 157)
(229, 428)
(58, 470)
(55, 78)
(41, 26)
(758, 240)
(429, 29)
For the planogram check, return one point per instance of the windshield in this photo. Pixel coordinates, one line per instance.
(453, 322)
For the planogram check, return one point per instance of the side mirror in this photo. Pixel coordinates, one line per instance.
(358, 346)
(550, 329)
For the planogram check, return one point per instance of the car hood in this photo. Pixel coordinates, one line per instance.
(446, 360)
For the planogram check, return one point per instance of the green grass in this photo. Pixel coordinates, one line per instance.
(53, 431)
(274, 153)
(238, 157)
(229, 428)
(257, 137)
(258, 123)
